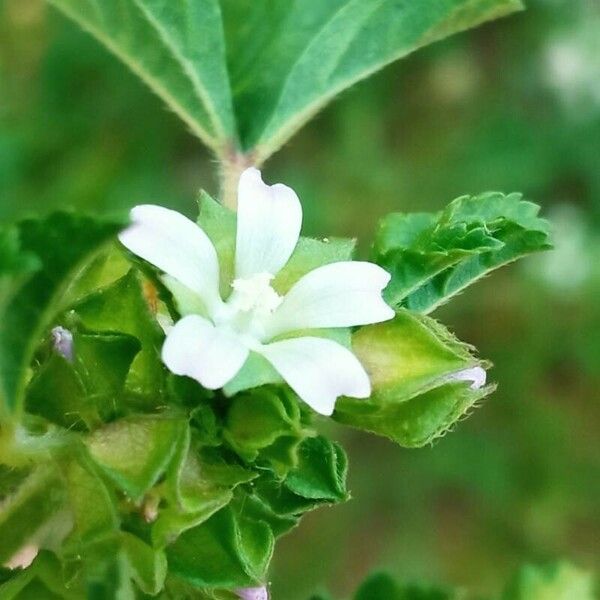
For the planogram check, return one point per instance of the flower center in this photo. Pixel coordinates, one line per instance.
(255, 294)
(252, 301)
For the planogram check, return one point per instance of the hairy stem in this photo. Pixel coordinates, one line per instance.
(232, 166)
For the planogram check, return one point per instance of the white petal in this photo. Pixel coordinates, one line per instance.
(340, 294)
(476, 375)
(318, 370)
(210, 355)
(176, 246)
(268, 225)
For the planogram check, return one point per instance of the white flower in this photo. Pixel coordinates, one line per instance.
(215, 336)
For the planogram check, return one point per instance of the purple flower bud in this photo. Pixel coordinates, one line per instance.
(254, 593)
(63, 342)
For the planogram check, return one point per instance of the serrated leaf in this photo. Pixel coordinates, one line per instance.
(288, 60)
(62, 243)
(177, 48)
(433, 257)
(135, 452)
(412, 362)
(228, 551)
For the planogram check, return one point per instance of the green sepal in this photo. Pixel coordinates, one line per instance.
(135, 452)
(265, 425)
(122, 307)
(229, 550)
(411, 361)
(319, 478)
(87, 390)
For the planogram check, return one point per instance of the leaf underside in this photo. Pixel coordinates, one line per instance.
(245, 76)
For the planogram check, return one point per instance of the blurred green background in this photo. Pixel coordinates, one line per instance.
(512, 106)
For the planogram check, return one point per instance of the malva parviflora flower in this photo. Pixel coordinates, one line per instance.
(215, 336)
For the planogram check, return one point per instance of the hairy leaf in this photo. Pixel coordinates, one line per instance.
(288, 59)
(176, 47)
(433, 257)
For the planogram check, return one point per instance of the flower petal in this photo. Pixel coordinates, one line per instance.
(268, 225)
(210, 355)
(318, 370)
(340, 294)
(177, 246)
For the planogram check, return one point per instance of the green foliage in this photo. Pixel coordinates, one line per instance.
(60, 243)
(134, 482)
(273, 78)
(178, 49)
(433, 257)
(411, 361)
(294, 58)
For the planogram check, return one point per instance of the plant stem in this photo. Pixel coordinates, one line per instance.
(233, 164)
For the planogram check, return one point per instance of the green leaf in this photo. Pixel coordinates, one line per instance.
(382, 585)
(122, 308)
(177, 48)
(554, 581)
(433, 257)
(135, 452)
(62, 243)
(411, 362)
(228, 551)
(27, 512)
(287, 60)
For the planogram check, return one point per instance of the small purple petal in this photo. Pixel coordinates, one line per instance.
(255, 593)
(476, 375)
(63, 342)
